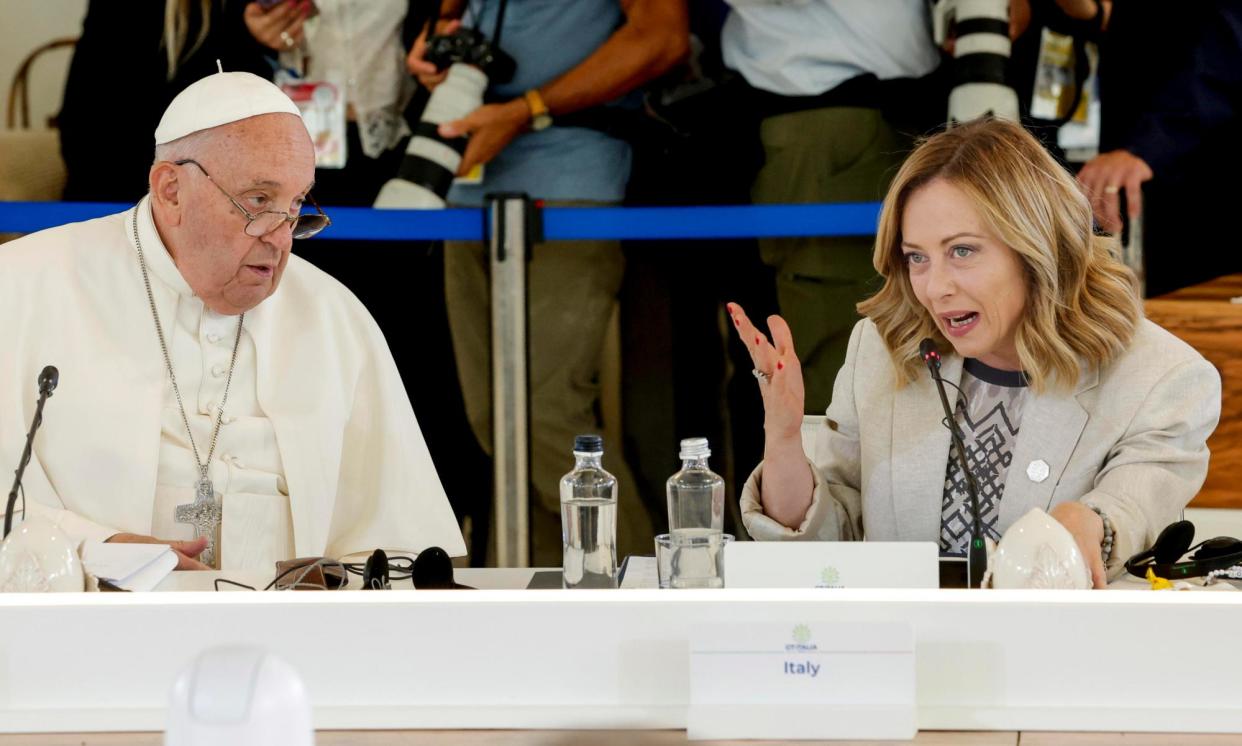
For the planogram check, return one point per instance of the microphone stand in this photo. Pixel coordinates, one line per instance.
(976, 554)
(45, 390)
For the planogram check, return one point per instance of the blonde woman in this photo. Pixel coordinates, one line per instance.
(1071, 401)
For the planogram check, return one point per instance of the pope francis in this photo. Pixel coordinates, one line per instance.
(216, 393)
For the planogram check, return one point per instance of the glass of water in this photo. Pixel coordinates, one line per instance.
(691, 561)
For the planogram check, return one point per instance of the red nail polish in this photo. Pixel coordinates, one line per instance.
(780, 364)
(736, 322)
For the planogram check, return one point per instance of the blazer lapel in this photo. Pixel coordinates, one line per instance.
(1051, 426)
(920, 453)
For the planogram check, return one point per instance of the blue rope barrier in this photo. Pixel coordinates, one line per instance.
(560, 223)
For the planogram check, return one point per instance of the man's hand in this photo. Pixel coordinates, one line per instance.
(278, 27)
(416, 62)
(186, 550)
(1105, 176)
(1019, 18)
(1087, 528)
(491, 127)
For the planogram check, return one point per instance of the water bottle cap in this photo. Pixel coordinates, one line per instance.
(588, 444)
(695, 448)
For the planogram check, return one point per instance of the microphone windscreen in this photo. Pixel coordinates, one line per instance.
(49, 378)
(927, 348)
(433, 570)
(375, 573)
(1173, 542)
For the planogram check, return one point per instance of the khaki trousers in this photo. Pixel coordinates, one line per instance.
(572, 289)
(836, 154)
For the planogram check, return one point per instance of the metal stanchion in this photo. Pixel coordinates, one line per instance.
(511, 230)
(1132, 252)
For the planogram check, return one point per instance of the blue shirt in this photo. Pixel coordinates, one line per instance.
(548, 38)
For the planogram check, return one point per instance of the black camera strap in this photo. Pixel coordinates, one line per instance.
(500, 18)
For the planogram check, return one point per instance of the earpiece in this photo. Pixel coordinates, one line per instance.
(375, 574)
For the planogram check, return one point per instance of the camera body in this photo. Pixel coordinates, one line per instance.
(470, 47)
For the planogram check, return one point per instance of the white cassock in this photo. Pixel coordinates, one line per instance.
(319, 453)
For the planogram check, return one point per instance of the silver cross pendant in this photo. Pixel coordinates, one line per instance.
(204, 514)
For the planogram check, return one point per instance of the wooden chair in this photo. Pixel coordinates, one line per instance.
(30, 164)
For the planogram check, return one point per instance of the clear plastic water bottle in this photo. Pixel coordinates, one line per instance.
(696, 518)
(589, 519)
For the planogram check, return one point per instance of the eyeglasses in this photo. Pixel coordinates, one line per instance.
(263, 223)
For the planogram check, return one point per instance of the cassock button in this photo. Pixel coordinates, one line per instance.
(209, 409)
(217, 370)
(1037, 470)
(213, 337)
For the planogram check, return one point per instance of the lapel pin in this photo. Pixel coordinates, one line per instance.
(1037, 470)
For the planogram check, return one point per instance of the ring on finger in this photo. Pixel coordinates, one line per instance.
(760, 375)
(286, 38)
(1112, 189)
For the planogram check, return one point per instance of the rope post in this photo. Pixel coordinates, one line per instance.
(1132, 252)
(512, 227)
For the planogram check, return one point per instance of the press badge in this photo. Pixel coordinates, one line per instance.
(322, 103)
(1054, 77)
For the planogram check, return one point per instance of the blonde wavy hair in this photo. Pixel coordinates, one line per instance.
(177, 31)
(1082, 303)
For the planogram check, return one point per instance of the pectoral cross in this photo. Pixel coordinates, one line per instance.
(204, 515)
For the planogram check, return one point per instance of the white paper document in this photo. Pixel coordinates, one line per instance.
(134, 567)
(640, 572)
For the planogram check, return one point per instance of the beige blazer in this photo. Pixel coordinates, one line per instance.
(1130, 439)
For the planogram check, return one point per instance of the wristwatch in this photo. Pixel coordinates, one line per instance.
(539, 117)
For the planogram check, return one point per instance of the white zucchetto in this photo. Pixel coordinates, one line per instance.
(220, 99)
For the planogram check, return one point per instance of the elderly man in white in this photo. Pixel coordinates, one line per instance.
(207, 376)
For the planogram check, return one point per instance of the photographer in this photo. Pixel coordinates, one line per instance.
(575, 60)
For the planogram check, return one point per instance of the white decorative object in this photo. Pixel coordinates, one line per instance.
(1037, 470)
(37, 557)
(1038, 552)
(242, 696)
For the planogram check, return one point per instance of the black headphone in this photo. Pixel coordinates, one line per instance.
(1173, 543)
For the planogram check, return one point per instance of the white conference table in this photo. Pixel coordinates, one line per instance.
(549, 666)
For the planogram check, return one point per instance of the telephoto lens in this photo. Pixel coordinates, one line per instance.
(431, 161)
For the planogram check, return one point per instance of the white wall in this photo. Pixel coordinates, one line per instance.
(26, 25)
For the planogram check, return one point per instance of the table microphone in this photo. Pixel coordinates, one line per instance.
(977, 554)
(433, 570)
(48, 379)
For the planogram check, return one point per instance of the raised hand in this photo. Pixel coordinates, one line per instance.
(777, 370)
(787, 481)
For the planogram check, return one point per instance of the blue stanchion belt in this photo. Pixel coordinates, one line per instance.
(559, 223)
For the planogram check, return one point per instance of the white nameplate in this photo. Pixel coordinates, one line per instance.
(832, 564)
(802, 680)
